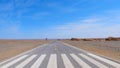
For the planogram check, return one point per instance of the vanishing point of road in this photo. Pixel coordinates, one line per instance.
(58, 55)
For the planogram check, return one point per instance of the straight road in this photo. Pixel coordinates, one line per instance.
(58, 55)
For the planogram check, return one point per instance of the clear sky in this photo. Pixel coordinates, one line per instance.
(36, 19)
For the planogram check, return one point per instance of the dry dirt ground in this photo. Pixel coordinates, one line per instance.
(10, 48)
(109, 49)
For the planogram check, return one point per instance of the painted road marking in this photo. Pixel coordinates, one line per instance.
(38, 62)
(21, 65)
(13, 62)
(105, 60)
(52, 61)
(93, 61)
(66, 61)
(82, 63)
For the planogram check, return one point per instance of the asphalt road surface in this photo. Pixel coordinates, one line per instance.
(58, 55)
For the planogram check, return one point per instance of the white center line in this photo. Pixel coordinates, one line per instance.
(105, 60)
(93, 61)
(26, 61)
(52, 61)
(38, 62)
(13, 62)
(66, 61)
(82, 63)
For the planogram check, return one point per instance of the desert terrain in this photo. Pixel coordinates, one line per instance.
(108, 49)
(10, 48)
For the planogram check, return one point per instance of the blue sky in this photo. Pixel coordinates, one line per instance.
(38, 19)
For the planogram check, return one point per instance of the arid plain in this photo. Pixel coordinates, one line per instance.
(109, 49)
(10, 48)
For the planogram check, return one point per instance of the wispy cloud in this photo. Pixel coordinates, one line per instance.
(9, 27)
(78, 2)
(6, 6)
(38, 15)
(22, 4)
(62, 8)
(95, 26)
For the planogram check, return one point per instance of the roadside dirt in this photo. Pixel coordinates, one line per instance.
(110, 49)
(10, 48)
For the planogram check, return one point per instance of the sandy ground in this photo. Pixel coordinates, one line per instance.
(10, 48)
(110, 49)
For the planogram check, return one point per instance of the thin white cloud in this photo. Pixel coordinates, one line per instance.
(53, 4)
(57, 6)
(14, 29)
(91, 20)
(98, 26)
(38, 15)
(9, 27)
(78, 2)
(25, 3)
(6, 6)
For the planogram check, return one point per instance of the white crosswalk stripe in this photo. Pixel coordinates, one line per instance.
(38, 62)
(93, 61)
(66, 61)
(13, 62)
(52, 61)
(26, 61)
(82, 63)
(105, 60)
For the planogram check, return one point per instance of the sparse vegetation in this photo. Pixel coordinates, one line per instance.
(112, 39)
(96, 39)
